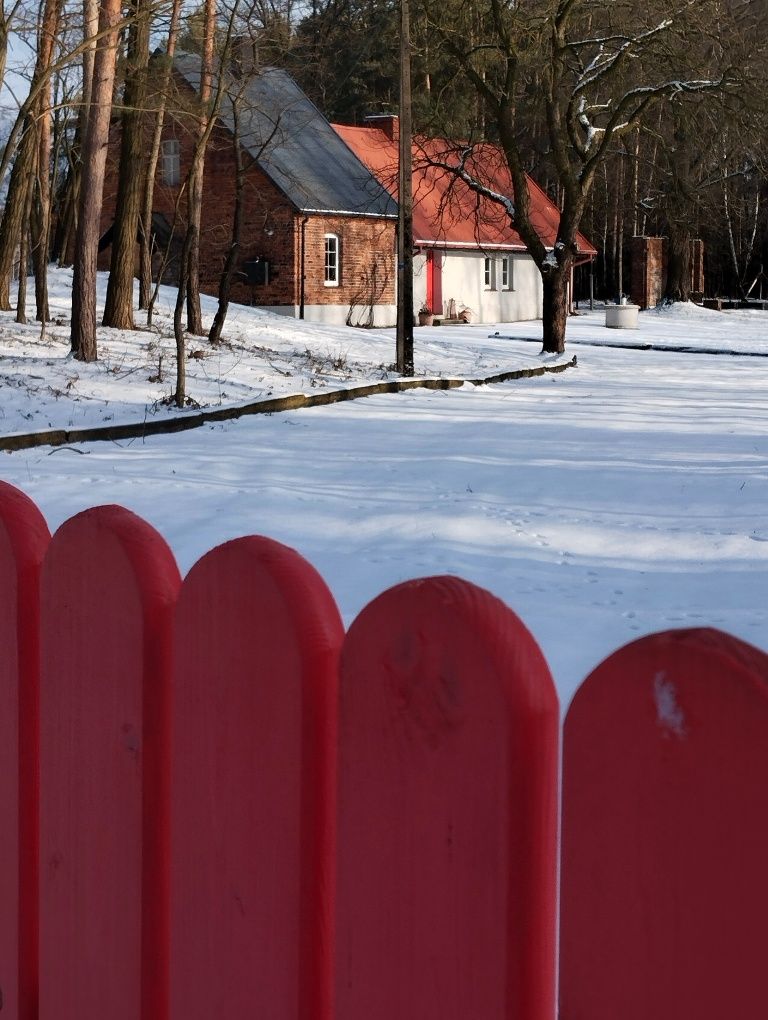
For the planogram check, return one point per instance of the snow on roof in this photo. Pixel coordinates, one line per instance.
(295, 146)
(445, 210)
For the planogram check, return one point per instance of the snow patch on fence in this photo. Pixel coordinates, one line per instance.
(668, 711)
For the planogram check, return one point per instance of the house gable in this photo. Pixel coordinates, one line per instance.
(295, 146)
(281, 259)
(446, 212)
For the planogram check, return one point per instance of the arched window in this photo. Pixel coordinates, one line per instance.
(332, 260)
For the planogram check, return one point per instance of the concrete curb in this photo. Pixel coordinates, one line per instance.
(140, 430)
(629, 345)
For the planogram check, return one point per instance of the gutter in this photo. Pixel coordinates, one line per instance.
(477, 246)
(345, 212)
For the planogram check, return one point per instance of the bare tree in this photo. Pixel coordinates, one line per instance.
(21, 300)
(233, 252)
(21, 148)
(7, 18)
(191, 261)
(26, 167)
(593, 72)
(237, 97)
(209, 105)
(83, 333)
(118, 306)
(145, 231)
(49, 28)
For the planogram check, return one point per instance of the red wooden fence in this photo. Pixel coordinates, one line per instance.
(665, 833)
(242, 812)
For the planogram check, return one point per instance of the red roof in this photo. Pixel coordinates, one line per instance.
(445, 210)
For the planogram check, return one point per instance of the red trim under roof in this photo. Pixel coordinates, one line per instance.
(445, 210)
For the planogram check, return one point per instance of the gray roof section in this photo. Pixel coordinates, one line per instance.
(295, 145)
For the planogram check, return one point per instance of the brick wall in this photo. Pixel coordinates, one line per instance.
(697, 267)
(648, 265)
(649, 269)
(268, 230)
(368, 268)
(272, 230)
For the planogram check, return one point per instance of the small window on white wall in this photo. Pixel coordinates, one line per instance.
(489, 274)
(507, 273)
(332, 260)
(171, 162)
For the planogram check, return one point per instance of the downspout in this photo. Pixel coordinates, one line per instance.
(302, 258)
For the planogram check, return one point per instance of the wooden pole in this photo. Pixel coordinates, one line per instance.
(405, 205)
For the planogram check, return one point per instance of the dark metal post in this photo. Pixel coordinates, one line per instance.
(302, 281)
(405, 205)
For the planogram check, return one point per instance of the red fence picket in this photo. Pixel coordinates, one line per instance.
(109, 584)
(447, 811)
(665, 833)
(203, 876)
(258, 636)
(24, 538)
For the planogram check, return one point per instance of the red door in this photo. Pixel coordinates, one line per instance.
(435, 281)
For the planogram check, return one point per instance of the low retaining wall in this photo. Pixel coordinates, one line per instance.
(193, 420)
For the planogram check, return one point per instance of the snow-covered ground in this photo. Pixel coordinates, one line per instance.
(623, 496)
(263, 355)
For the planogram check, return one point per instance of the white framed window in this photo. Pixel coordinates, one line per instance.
(507, 273)
(332, 271)
(171, 162)
(489, 274)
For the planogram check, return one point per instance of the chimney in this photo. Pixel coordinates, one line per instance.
(245, 56)
(387, 122)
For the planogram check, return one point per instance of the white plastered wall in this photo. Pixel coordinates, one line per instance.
(464, 281)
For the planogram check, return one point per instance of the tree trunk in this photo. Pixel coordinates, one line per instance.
(180, 396)
(21, 302)
(404, 335)
(737, 275)
(48, 32)
(678, 266)
(620, 231)
(13, 214)
(195, 193)
(90, 28)
(66, 221)
(3, 49)
(83, 335)
(66, 228)
(225, 283)
(26, 167)
(118, 307)
(555, 311)
(43, 224)
(195, 211)
(145, 230)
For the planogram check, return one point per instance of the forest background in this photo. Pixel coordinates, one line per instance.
(636, 119)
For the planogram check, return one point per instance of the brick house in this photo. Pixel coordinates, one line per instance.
(319, 231)
(467, 254)
(318, 237)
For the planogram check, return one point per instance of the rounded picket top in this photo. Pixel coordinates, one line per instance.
(109, 584)
(24, 537)
(665, 833)
(448, 755)
(253, 779)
